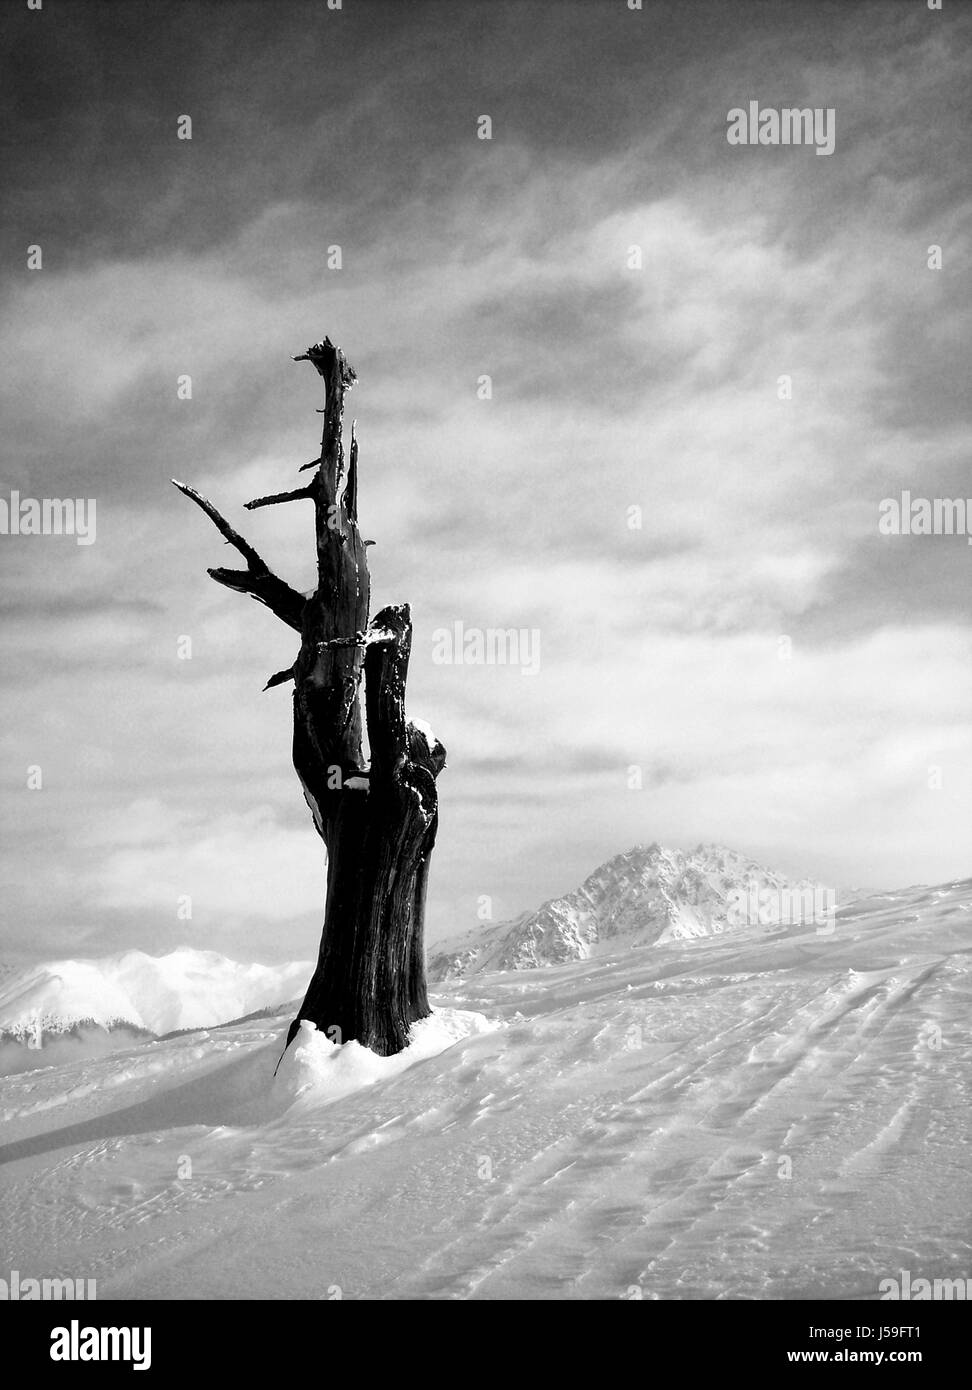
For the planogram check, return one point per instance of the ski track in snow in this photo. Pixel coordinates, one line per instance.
(754, 1117)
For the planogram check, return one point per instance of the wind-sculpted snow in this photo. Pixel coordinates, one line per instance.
(647, 895)
(746, 1115)
(317, 1069)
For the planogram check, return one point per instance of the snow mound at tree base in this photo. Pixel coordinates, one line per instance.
(314, 1069)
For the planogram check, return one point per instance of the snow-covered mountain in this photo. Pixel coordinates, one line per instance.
(149, 994)
(646, 896)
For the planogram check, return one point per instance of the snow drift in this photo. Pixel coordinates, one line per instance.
(744, 1115)
(319, 1070)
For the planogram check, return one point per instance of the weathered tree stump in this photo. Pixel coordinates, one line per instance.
(378, 820)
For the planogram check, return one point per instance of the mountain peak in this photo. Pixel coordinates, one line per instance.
(650, 894)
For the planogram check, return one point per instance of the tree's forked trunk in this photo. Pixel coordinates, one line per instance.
(378, 821)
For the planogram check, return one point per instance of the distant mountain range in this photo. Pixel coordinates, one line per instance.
(646, 896)
(149, 994)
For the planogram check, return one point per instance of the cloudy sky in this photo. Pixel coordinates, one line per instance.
(613, 388)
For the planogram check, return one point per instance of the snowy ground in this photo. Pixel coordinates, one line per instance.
(628, 1123)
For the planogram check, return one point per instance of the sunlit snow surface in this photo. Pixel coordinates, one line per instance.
(626, 1123)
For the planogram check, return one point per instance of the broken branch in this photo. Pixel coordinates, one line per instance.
(258, 580)
(276, 497)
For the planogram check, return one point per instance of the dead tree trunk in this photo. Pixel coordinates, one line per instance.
(378, 821)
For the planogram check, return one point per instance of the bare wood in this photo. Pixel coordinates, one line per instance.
(378, 823)
(280, 678)
(276, 497)
(257, 580)
(222, 525)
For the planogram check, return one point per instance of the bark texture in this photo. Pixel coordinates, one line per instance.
(377, 817)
